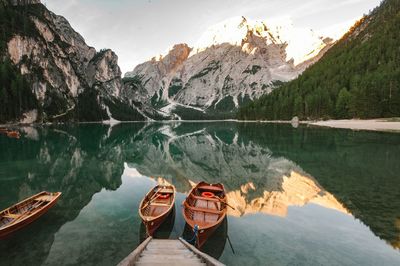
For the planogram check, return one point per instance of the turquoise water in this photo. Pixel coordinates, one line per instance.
(305, 196)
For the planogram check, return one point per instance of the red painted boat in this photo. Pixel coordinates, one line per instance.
(156, 206)
(25, 212)
(204, 209)
(13, 134)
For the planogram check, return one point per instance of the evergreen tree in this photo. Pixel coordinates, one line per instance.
(343, 104)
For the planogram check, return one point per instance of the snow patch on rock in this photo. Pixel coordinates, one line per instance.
(111, 120)
(29, 117)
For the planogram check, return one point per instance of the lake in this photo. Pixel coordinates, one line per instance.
(302, 196)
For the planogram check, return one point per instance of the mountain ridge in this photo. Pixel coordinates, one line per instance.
(214, 80)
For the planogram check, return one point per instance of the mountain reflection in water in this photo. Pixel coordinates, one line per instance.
(267, 170)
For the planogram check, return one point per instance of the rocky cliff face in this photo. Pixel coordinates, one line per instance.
(233, 62)
(69, 79)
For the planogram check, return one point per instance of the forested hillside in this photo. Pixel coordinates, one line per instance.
(49, 74)
(357, 78)
(16, 97)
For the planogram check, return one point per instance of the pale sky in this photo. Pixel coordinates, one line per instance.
(140, 29)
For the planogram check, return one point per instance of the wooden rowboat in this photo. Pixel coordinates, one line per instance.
(10, 133)
(13, 134)
(4, 131)
(25, 212)
(156, 206)
(204, 209)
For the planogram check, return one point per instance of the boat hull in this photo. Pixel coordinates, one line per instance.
(156, 207)
(193, 211)
(7, 231)
(205, 234)
(153, 225)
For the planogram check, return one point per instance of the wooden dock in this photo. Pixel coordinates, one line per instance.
(168, 252)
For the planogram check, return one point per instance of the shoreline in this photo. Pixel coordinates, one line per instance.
(379, 124)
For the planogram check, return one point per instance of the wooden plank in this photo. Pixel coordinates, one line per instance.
(167, 252)
(44, 198)
(166, 260)
(165, 242)
(158, 248)
(210, 188)
(167, 190)
(181, 262)
(169, 244)
(203, 209)
(12, 216)
(162, 246)
(204, 198)
(164, 257)
(159, 204)
(210, 261)
(132, 258)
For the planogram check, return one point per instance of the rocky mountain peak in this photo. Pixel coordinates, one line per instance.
(233, 62)
(175, 57)
(103, 69)
(302, 43)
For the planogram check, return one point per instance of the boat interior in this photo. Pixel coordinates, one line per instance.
(10, 133)
(24, 209)
(204, 206)
(158, 202)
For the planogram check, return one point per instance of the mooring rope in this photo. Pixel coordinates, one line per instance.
(195, 231)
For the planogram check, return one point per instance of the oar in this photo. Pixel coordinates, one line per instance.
(32, 208)
(224, 202)
(228, 205)
(152, 198)
(230, 244)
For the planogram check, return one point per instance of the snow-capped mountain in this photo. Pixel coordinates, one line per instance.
(302, 43)
(233, 62)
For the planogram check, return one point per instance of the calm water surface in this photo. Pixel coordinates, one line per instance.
(305, 196)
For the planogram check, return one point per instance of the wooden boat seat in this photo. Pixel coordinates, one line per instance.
(166, 190)
(159, 204)
(204, 198)
(196, 209)
(11, 215)
(44, 198)
(211, 188)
